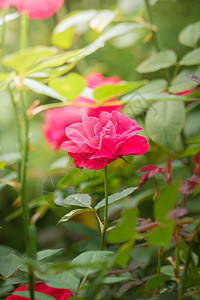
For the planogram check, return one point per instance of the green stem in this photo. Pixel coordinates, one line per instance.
(177, 258)
(160, 254)
(24, 31)
(155, 34)
(3, 31)
(188, 257)
(150, 16)
(103, 234)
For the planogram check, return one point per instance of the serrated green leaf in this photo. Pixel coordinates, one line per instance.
(83, 200)
(73, 213)
(182, 83)
(164, 122)
(190, 35)
(191, 58)
(157, 61)
(24, 59)
(46, 253)
(106, 92)
(125, 230)
(116, 197)
(63, 279)
(9, 264)
(69, 86)
(92, 261)
(43, 89)
(156, 281)
(161, 235)
(38, 295)
(166, 201)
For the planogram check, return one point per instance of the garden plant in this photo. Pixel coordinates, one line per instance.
(100, 149)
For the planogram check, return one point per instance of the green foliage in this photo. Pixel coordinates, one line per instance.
(191, 58)
(190, 35)
(40, 296)
(69, 86)
(164, 122)
(156, 281)
(158, 61)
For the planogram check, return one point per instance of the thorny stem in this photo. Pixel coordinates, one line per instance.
(160, 254)
(103, 234)
(183, 285)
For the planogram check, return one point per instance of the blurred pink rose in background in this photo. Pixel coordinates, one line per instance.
(35, 9)
(59, 294)
(58, 119)
(96, 142)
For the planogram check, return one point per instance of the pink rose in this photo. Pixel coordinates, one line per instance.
(59, 294)
(58, 119)
(96, 142)
(35, 9)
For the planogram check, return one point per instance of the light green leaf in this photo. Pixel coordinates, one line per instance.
(24, 59)
(125, 230)
(191, 58)
(63, 33)
(190, 35)
(153, 86)
(83, 200)
(2, 164)
(38, 295)
(158, 61)
(161, 235)
(9, 17)
(74, 213)
(46, 253)
(156, 281)
(122, 256)
(4, 76)
(69, 86)
(116, 197)
(164, 122)
(102, 19)
(166, 201)
(43, 89)
(92, 261)
(106, 92)
(182, 83)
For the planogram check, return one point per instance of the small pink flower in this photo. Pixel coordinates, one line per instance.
(59, 294)
(58, 119)
(35, 9)
(96, 142)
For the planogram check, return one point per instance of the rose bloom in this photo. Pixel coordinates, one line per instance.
(96, 142)
(59, 294)
(35, 9)
(58, 119)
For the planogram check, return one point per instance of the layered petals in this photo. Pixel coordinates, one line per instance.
(59, 118)
(59, 294)
(96, 142)
(35, 9)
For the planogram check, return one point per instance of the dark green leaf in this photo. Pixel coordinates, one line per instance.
(46, 253)
(161, 235)
(83, 200)
(156, 281)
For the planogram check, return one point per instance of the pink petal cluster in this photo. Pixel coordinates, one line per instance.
(58, 119)
(59, 294)
(35, 9)
(96, 142)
